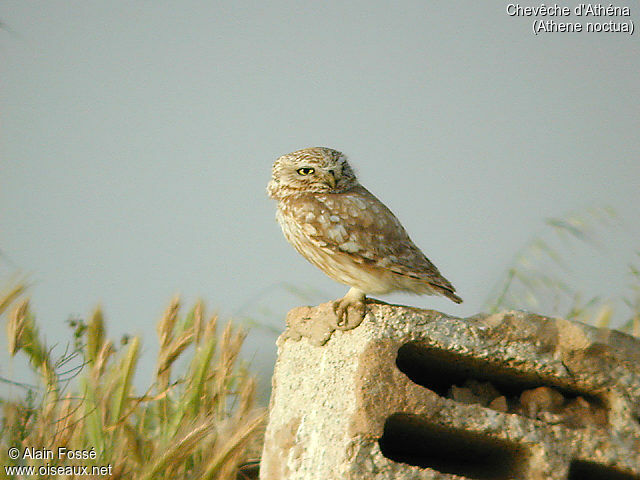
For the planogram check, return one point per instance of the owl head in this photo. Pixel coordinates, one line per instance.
(311, 170)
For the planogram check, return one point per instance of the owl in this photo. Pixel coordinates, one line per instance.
(345, 231)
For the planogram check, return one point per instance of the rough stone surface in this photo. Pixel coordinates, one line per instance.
(416, 394)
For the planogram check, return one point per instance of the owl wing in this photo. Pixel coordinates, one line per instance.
(356, 223)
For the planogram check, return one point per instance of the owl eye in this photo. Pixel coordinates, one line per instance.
(305, 171)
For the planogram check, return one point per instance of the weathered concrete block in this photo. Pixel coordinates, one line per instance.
(415, 394)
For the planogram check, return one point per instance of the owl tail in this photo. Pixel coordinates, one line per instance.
(447, 292)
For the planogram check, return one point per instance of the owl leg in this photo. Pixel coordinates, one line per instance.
(350, 309)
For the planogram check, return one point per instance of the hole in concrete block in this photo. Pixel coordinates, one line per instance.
(413, 440)
(581, 470)
(472, 381)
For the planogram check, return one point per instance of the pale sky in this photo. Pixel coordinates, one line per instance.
(136, 141)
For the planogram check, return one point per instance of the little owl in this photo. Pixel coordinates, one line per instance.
(345, 231)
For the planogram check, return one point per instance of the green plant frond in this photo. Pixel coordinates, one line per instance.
(550, 252)
(93, 426)
(573, 228)
(127, 369)
(602, 318)
(182, 446)
(170, 354)
(95, 335)
(237, 442)
(201, 367)
(304, 294)
(537, 277)
(11, 295)
(167, 323)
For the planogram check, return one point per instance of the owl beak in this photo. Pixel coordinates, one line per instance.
(331, 178)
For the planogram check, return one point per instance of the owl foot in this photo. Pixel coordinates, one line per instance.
(350, 310)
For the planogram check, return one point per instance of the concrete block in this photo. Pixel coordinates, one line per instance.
(417, 394)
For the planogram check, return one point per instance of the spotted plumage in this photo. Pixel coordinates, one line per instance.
(343, 229)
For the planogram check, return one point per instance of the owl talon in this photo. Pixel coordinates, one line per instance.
(350, 311)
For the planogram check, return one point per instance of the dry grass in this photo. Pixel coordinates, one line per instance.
(538, 277)
(201, 423)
